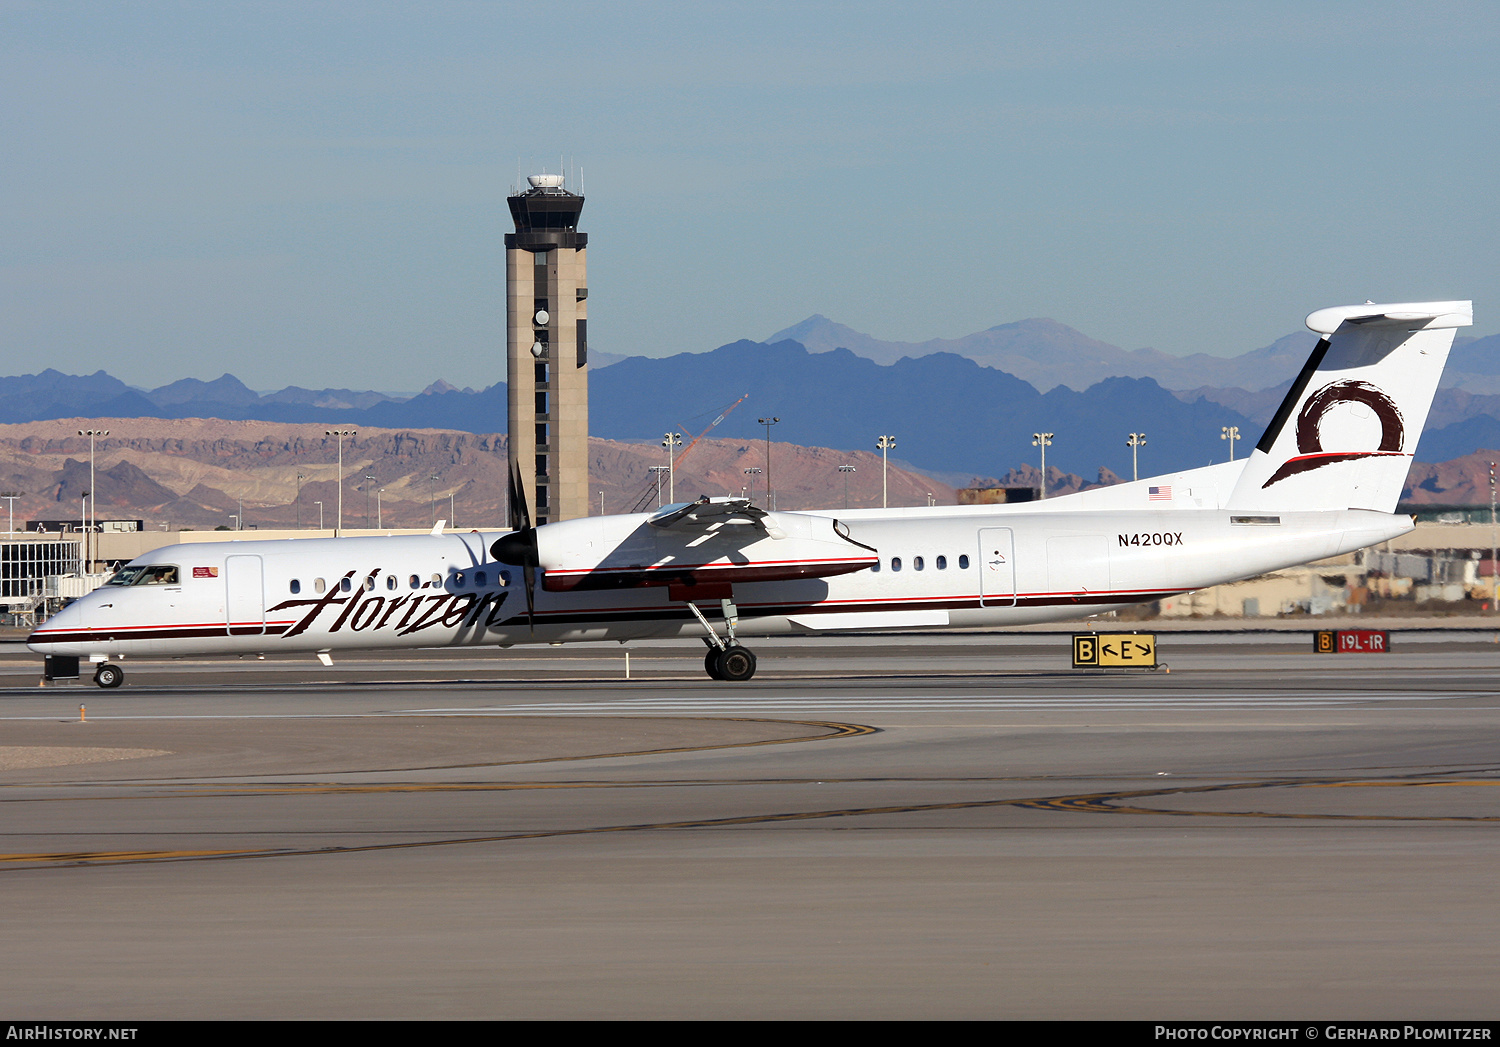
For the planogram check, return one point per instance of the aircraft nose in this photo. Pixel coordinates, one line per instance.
(68, 619)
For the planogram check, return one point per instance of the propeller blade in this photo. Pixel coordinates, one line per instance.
(528, 575)
(520, 513)
(519, 548)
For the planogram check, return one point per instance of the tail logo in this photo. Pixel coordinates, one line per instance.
(1310, 443)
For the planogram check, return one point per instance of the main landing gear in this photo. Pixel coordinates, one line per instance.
(108, 675)
(726, 659)
(732, 663)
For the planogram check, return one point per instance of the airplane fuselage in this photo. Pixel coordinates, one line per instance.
(958, 567)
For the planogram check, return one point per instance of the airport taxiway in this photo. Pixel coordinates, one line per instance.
(943, 826)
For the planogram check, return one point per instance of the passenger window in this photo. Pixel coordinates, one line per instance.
(504, 577)
(895, 563)
(458, 580)
(481, 579)
(942, 563)
(319, 585)
(390, 581)
(345, 584)
(963, 563)
(875, 567)
(369, 582)
(296, 587)
(415, 581)
(437, 581)
(916, 563)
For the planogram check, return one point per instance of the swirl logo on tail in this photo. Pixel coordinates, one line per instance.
(1310, 443)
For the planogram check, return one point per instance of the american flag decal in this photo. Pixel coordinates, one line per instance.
(1158, 494)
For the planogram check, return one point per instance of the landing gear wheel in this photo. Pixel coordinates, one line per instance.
(109, 675)
(711, 663)
(735, 664)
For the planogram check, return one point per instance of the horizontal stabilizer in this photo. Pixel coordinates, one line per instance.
(1425, 315)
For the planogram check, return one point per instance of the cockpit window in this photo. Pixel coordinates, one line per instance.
(146, 574)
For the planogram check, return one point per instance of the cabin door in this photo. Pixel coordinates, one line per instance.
(997, 567)
(245, 597)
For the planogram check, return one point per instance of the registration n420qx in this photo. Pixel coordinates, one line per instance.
(1323, 479)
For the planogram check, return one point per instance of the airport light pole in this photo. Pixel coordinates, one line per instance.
(320, 514)
(300, 478)
(1044, 441)
(671, 441)
(340, 433)
(846, 470)
(94, 504)
(379, 513)
(770, 497)
(751, 473)
(369, 478)
(885, 443)
(1230, 433)
(11, 496)
(432, 497)
(1135, 443)
(658, 470)
(1494, 574)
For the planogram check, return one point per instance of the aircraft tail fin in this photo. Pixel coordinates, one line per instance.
(1344, 436)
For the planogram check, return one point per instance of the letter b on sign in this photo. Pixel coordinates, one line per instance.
(1085, 651)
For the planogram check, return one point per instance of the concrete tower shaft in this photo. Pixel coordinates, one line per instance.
(546, 280)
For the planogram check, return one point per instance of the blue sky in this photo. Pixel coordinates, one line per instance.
(313, 194)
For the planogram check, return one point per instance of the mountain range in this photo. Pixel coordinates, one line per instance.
(1048, 354)
(949, 414)
(957, 407)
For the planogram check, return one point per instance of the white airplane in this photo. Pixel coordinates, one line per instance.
(1324, 479)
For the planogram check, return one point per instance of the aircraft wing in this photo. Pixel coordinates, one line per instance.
(711, 542)
(709, 513)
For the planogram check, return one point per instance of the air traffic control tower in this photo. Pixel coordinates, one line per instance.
(546, 289)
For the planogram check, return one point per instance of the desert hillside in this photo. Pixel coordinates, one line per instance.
(197, 473)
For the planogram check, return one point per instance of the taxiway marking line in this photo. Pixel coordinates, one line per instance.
(1093, 803)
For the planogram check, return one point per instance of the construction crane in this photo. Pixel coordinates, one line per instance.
(653, 486)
